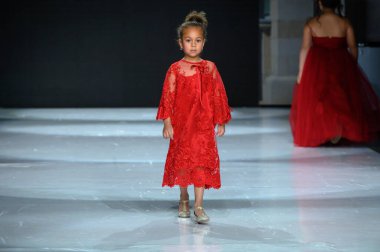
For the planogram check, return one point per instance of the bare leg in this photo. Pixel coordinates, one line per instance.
(200, 215)
(184, 193)
(183, 207)
(198, 192)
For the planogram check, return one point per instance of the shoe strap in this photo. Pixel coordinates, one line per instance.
(203, 211)
(200, 208)
(184, 208)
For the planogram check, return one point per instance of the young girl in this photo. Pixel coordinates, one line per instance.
(333, 98)
(193, 102)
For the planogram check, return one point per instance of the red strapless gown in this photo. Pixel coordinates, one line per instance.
(333, 98)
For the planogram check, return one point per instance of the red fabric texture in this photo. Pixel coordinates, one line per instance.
(194, 98)
(333, 98)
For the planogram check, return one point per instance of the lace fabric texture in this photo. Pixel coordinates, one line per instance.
(333, 98)
(194, 98)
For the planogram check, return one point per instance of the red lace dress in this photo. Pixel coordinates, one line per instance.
(194, 98)
(333, 98)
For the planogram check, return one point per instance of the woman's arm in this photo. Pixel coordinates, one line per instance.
(306, 44)
(351, 41)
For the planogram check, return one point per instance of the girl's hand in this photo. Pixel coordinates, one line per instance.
(168, 132)
(220, 131)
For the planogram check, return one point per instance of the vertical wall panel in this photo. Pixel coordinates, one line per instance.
(98, 53)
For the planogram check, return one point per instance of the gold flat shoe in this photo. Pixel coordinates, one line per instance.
(202, 218)
(185, 212)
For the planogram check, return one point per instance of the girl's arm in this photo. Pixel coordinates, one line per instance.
(165, 109)
(221, 129)
(168, 132)
(222, 111)
(351, 42)
(306, 44)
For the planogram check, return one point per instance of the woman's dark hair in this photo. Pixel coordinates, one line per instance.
(194, 18)
(336, 5)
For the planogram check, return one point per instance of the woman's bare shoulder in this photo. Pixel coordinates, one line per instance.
(310, 21)
(346, 21)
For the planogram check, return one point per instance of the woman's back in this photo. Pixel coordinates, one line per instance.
(328, 25)
(334, 98)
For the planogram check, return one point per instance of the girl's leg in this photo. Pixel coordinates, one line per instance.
(198, 192)
(183, 207)
(200, 215)
(184, 194)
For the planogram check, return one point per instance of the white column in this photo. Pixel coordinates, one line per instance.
(287, 20)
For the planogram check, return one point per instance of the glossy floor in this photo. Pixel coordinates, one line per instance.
(90, 180)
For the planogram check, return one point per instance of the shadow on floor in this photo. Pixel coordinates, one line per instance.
(375, 146)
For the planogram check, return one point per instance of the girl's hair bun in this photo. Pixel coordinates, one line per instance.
(194, 18)
(198, 17)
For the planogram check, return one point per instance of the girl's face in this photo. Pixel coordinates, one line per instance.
(192, 42)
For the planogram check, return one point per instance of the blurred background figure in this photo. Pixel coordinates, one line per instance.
(332, 98)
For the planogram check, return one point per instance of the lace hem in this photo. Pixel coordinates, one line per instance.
(171, 185)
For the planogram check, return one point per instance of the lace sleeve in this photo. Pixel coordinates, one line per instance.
(165, 109)
(222, 111)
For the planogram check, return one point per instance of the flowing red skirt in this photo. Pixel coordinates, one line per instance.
(333, 98)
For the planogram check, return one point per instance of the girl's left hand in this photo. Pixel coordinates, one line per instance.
(220, 131)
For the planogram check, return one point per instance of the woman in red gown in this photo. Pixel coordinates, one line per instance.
(332, 99)
(193, 102)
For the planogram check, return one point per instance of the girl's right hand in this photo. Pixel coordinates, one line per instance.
(168, 132)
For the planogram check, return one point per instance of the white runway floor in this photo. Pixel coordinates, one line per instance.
(90, 180)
